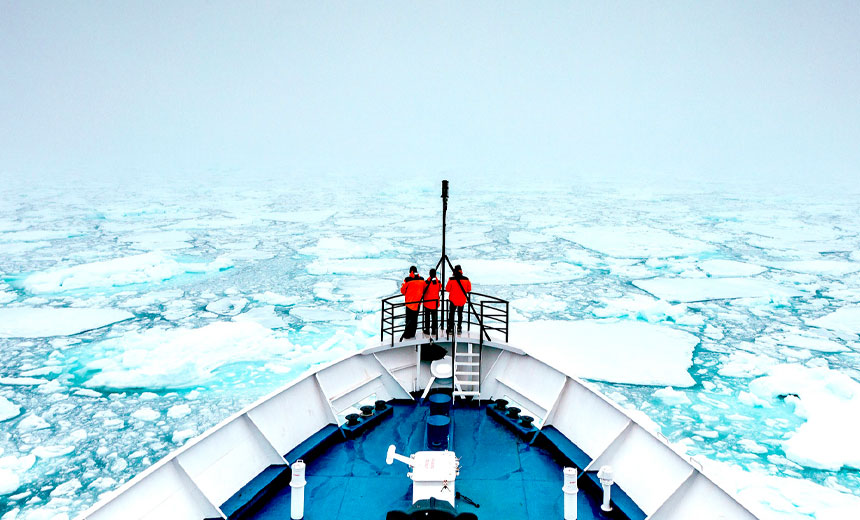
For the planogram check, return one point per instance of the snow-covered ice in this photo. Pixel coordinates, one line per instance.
(634, 241)
(730, 268)
(8, 409)
(43, 322)
(703, 289)
(512, 272)
(611, 350)
(181, 358)
(829, 401)
(846, 319)
(137, 269)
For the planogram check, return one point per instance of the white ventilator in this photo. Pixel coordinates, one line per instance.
(297, 494)
(570, 493)
(433, 473)
(607, 478)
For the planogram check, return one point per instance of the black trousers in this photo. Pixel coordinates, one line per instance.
(430, 324)
(411, 323)
(451, 317)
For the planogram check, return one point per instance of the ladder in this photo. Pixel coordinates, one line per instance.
(467, 370)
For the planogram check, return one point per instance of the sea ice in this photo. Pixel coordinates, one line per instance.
(339, 247)
(834, 268)
(829, 401)
(845, 319)
(704, 289)
(806, 341)
(152, 298)
(544, 303)
(729, 268)
(645, 308)
(159, 240)
(9, 481)
(181, 358)
(44, 322)
(634, 241)
(275, 299)
(631, 352)
(8, 409)
(32, 422)
(671, 397)
(514, 272)
(357, 266)
(320, 313)
(227, 306)
(178, 411)
(527, 237)
(299, 217)
(144, 268)
(265, 316)
(146, 414)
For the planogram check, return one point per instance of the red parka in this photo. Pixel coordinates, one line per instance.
(431, 296)
(412, 289)
(455, 294)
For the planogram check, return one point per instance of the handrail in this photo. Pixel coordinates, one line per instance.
(493, 315)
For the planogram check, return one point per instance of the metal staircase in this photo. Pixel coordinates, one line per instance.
(467, 370)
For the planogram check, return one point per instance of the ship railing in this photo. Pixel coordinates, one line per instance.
(486, 314)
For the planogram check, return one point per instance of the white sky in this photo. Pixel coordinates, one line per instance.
(705, 89)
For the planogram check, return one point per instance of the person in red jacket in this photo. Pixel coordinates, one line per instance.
(458, 287)
(431, 302)
(412, 289)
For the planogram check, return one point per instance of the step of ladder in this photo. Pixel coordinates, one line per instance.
(467, 373)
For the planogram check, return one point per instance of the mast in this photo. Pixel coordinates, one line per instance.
(444, 256)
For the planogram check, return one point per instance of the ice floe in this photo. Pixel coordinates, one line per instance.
(829, 401)
(339, 247)
(730, 268)
(704, 289)
(227, 306)
(321, 313)
(640, 307)
(143, 268)
(515, 272)
(527, 237)
(159, 240)
(265, 316)
(181, 358)
(671, 396)
(610, 350)
(43, 322)
(534, 304)
(634, 242)
(357, 266)
(8, 409)
(846, 319)
(820, 267)
(273, 298)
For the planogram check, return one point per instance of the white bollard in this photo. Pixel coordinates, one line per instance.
(297, 494)
(606, 480)
(570, 490)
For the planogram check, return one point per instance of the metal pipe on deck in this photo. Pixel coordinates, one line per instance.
(570, 493)
(297, 494)
(607, 478)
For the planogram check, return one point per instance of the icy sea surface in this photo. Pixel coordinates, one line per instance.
(135, 316)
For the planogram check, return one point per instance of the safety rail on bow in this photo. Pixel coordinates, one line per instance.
(486, 313)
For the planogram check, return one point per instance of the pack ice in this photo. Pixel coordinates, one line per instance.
(44, 322)
(616, 351)
(144, 268)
